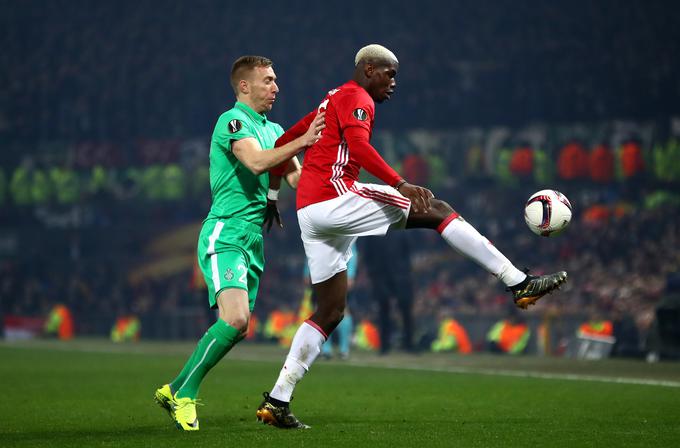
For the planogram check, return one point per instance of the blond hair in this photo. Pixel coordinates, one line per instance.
(374, 53)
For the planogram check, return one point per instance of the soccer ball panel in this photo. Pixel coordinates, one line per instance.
(547, 212)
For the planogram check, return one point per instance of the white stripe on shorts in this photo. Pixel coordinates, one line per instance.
(213, 256)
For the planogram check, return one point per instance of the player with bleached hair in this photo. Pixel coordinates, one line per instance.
(334, 209)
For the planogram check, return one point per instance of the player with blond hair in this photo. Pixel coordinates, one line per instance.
(334, 208)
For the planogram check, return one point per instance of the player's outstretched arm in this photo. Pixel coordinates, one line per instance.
(369, 159)
(251, 154)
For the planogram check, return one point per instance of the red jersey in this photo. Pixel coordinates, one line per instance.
(331, 165)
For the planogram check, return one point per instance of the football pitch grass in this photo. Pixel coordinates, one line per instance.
(94, 393)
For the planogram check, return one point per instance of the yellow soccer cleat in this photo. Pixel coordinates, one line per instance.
(163, 397)
(184, 411)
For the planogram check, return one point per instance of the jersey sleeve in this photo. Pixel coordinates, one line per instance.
(297, 130)
(291, 134)
(231, 128)
(355, 111)
(364, 153)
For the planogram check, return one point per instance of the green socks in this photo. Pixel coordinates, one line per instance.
(215, 343)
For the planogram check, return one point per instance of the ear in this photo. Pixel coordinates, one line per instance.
(369, 69)
(243, 87)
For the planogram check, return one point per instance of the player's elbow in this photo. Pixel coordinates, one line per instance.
(256, 167)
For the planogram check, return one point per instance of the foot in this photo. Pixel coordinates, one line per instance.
(534, 287)
(163, 397)
(279, 416)
(184, 412)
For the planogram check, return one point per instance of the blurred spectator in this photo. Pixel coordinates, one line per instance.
(572, 163)
(602, 164)
(388, 263)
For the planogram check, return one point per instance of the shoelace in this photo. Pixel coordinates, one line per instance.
(179, 406)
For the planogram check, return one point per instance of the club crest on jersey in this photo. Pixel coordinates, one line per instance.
(229, 275)
(360, 114)
(235, 126)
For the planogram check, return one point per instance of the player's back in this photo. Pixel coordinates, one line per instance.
(329, 168)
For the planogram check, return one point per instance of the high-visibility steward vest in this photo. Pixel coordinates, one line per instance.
(452, 337)
(596, 328)
(510, 338)
(279, 325)
(367, 336)
(60, 322)
(126, 328)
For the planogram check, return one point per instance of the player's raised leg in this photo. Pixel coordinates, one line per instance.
(465, 239)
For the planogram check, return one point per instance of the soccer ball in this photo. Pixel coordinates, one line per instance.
(547, 212)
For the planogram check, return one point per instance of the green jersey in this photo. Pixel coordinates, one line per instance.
(236, 191)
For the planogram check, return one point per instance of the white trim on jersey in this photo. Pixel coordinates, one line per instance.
(338, 171)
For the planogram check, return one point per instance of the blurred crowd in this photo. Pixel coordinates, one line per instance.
(618, 250)
(102, 70)
(106, 110)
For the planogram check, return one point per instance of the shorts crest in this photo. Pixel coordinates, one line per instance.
(229, 275)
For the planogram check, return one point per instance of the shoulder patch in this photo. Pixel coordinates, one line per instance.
(360, 114)
(235, 126)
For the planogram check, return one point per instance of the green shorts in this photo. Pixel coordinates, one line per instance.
(231, 255)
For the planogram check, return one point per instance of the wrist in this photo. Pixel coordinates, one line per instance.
(399, 184)
(273, 195)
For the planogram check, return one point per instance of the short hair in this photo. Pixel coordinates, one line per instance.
(245, 64)
(375, 53)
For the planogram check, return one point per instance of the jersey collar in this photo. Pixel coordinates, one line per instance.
(260, 118)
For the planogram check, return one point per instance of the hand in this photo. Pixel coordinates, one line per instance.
(419, 196)
(313, 134)
(272, 213)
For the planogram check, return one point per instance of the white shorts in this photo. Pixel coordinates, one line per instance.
(329, 228)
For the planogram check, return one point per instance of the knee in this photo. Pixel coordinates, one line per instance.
(441, 208)
(239, 322)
